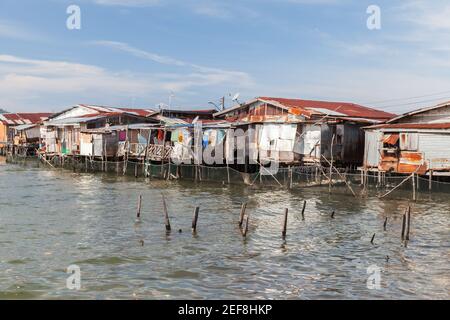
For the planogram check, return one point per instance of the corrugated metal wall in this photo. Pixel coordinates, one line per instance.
(311, 141)
(353, 144)
(372, 148)
(436, 149)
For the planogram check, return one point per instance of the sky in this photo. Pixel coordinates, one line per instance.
(186, 53)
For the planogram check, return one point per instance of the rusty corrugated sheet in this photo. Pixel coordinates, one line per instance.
(349, 109)
(412, 126)
(391, 139)
(411, 162)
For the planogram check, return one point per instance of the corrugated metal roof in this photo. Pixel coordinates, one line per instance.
(104, 109)
(411, 126)
(344, 108)
(86, 118)
(422, 110)
(25, 126)
(313, 107)
(190, 112)
(23, 118)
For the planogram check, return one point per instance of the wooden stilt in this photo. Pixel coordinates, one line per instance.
(195, 219)
(403, 226)
(245, 231)
(138, 214)
(284, 232)
(241, 216)
(290, 177)
(303, 210)
(331, 165)
(408, 222)
(430, 180)
(166, 215)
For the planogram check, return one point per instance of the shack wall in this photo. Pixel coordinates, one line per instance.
(436, 149)
(372, 148)
(353, 144)
(311, 142)
(440, 115)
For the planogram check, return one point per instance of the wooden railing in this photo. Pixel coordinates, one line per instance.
(159, 152)
(154, 152)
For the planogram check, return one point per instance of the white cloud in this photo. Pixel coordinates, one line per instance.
(432, 15)
(31, 84)
(13, 30)
(212, 73)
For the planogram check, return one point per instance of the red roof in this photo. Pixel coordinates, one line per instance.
(23, 118)
(139, 112)
(348, 109)
(413, 126)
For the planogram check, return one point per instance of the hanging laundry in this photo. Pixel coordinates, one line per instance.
(274, 131)
(220, 135)
(141, 139)
(122, 136)
(175, 136)
(212, 138)
(288, 131)
(205, 140)
(160, 136)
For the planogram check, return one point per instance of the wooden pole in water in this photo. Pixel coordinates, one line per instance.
(414, 186)
(408, 222)
(385, 224)
(138, 215)
(166, 215)
(241, 216)
(244, 232)
(106, 153)
(195, 219)
(403, 225)
(332, 215)
(303, 210)
(373, 238)
(430, 180)
(290, 177)
(228, 171)
(331, 164)
(285, 223)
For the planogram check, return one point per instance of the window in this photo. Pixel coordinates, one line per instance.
(409, 141)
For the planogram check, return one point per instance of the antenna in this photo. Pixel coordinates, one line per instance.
(236, 97)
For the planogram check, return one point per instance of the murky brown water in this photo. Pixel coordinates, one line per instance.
(50, 219)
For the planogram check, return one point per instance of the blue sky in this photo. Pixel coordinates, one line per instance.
(137, 53)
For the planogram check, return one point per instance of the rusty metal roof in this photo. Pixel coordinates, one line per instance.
(411, 126)
(14, 119)
(332, 108)
(309, 108)
(422, 110)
